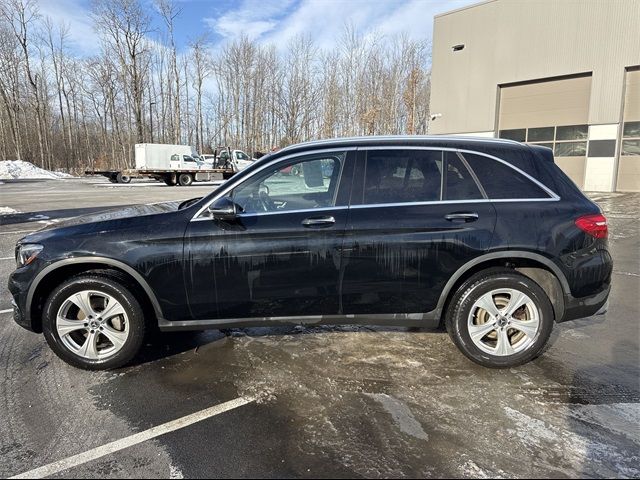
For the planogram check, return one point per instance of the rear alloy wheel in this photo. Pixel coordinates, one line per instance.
(185, 179)
(500, 319)
(93, 322)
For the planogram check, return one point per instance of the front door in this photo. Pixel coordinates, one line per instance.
(281, 255)
(416, 217)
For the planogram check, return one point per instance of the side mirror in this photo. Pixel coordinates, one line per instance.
(224, 208)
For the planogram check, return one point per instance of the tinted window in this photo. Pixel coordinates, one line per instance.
(501, 181)
(518, 134)
(459, 184)
(304, 184)
(399, 176)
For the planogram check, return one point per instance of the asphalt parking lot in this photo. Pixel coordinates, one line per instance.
(324, 401)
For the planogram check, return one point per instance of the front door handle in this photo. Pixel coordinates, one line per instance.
(318, 222)
(462, 217)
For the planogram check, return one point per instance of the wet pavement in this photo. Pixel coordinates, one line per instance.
(330, 401)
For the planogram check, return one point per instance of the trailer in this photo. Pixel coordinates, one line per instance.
(183, 177)
(171, 164)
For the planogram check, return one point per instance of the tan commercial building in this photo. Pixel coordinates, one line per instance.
(561, 73)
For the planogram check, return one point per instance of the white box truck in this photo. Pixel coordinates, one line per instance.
(151, 156)
(172, 164)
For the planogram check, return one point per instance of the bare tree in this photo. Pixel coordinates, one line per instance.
(125, 24)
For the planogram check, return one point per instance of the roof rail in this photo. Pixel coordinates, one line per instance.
(411, 138)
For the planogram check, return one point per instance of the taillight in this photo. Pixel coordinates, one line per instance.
(594, 225)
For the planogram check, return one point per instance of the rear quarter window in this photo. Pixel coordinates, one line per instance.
(500, 181)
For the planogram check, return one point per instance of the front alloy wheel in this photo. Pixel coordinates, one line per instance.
(94, 321)
(92, 324)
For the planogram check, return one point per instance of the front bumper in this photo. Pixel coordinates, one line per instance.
(19, 282)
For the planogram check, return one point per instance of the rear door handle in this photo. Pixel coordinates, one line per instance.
(462, 217)
(318, 222)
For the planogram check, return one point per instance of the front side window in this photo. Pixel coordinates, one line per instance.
(403, 176)
(300, 184)
(242, 156)
(500, 181)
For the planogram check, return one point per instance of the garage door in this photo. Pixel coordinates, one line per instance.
(629, 164)
(552, 113)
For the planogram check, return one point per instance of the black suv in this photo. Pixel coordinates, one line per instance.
(488, 237)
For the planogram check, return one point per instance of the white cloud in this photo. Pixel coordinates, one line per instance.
(75, 15)
(277, 21)
(253, 18)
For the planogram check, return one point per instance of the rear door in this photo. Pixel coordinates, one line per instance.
(416, 216)
(281, 255)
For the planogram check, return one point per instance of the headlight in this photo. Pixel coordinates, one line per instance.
(27, 253)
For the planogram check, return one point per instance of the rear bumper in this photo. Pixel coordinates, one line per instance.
(596, 304)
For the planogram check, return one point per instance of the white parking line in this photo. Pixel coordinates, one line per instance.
(7, 311)
(127, 442)
(7, 258)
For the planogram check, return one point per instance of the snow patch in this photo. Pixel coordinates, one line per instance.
(7, 211)
(175, 472)
(16, 169)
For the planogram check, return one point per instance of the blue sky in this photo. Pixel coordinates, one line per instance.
(271, 21)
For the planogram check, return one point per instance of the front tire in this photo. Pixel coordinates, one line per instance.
(500, 319)
(93, 322)
(120, 178)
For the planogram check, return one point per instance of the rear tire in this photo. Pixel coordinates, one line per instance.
(185, 179)
(93, 322)
(500, 318)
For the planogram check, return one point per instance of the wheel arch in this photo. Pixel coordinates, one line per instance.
(533, 265)
(55, 273)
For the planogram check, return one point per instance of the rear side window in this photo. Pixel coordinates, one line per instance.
(403, 176)
(501, 181)
(459, 183)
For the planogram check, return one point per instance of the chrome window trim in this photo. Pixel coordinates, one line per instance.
(299, 210)
(452, 202)
(550, 192)
(233, 184)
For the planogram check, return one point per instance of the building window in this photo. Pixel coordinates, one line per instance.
(541, 134)
(631, 130)
(570, 149)
(631, 139)
(518, 134)
(572, 132)
(564, 140)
